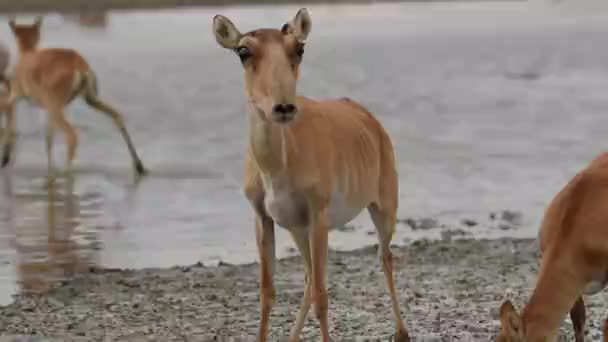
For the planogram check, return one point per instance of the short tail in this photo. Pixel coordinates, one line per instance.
(91, 95)
(90, 86)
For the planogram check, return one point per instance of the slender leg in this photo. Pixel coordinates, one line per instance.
(58, 120)
(385, 226)
(50, 133)
(266, 250)
(318, 240)
(578, 317)
(11, 134)
(96, 103)
(301, 239)
(605, 330)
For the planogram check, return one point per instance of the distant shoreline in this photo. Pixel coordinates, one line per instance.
(24, 6)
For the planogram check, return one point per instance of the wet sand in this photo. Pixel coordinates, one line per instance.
(450, 291)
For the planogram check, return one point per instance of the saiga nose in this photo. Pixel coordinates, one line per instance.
(284, 108)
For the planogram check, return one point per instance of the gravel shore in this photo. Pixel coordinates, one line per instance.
(451, 291)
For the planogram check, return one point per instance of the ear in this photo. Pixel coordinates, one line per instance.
(299, 26)
(225, 32)
(38, 21)
(509, 318)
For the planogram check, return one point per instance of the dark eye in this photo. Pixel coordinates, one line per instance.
(243, 52)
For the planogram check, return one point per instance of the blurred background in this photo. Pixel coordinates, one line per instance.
(492, 106)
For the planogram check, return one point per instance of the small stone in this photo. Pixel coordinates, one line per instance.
(504, 226)
(346, 228)
(469, 222)
(513, 217)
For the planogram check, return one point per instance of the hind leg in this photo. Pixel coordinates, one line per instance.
(95, 102)
(384, 221)
(50, 133)
(578, 316)
(58, 120)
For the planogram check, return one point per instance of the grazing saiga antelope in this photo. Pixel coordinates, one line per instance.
(574, 245)
(310, 165)
(53, 78)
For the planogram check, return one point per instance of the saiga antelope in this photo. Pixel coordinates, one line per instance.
(574, 245)
(53, 78)
(310, 165)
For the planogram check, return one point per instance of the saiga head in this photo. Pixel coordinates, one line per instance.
(511, 324)
(271, 59)
(27, 36)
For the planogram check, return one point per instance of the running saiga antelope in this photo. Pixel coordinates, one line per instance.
(53, 78)
(310, 165)
(574, 245)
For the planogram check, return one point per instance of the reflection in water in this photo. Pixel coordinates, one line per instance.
(45, 225)
(89, 19)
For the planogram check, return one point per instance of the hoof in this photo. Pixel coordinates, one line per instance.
(401, 336)
(140, 169)
(579, 337)
(5, 160)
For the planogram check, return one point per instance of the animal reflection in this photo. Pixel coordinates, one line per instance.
(89, 19)
(45, 245)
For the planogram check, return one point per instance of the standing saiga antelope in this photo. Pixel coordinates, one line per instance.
(310, 165)
(53, 78)
(574, 245)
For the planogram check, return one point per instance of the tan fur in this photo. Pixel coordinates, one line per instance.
(309, 169)
(574, 246)
(53, 78)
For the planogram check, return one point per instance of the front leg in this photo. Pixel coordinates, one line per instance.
(266, 248)
(264, 233)
(577, 315)
(319, 231)
(9, 107)
(10, 132)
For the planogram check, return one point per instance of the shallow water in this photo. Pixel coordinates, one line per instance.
(491, 106)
